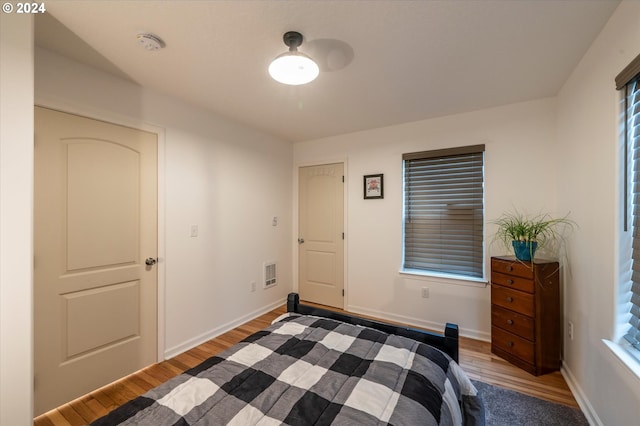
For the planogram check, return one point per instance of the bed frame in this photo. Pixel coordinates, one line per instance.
(447, 342)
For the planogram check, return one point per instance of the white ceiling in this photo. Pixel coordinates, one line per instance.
(382, 62)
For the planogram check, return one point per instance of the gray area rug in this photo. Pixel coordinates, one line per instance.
(505, 407)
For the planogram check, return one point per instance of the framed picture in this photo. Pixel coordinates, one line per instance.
(373, 186)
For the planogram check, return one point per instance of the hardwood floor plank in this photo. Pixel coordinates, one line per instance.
(475, 358)
(162, 371)
(195, 356)
(71, 415)
(180, 365)
(141, 381)
(120, 394)
(83, 410)
(53, 417)
(105, 400)
(96, 408)
(150, 378)
(46, 419)
(133, 386)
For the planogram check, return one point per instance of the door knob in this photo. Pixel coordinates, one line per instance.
(150, 261)
(300, 240)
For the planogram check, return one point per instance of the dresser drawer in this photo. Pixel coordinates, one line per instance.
(514, 300)
(526, 313)
(512, 281)
(512, 344)
(512, 267)
(518, 324)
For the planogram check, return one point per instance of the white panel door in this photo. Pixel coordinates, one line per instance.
(321, 238)
(95, 225)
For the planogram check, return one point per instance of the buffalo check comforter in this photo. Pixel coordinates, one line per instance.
(305, 370)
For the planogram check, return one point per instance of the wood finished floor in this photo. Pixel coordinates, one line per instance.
(475, 358)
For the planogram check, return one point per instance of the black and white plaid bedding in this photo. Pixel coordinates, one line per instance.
(305, 370)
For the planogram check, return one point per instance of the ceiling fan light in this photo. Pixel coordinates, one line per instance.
(293, 68)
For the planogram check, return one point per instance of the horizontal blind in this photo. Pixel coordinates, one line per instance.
(443, 211)
(633, 135)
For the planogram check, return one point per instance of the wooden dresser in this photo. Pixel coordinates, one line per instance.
(526, 314)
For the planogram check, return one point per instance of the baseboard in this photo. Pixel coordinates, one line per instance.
(578, 394)
(416, 322)
(211, 334)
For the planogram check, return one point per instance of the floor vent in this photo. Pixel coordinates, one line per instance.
(270, 277)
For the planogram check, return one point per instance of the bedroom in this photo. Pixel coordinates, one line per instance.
(196, 144)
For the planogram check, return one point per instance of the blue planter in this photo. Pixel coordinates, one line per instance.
(524, 250)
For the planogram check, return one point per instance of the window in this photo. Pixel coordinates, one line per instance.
(629, 81)
(444, 211)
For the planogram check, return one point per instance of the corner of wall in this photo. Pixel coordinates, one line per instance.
(16, 218)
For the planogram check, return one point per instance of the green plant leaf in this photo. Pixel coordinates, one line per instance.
(547, 231)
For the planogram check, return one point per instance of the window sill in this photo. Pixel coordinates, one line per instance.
(626, 354)
(444, 278)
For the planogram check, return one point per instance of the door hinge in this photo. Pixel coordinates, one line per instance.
(342, 178)
(343, 235)
(343, 292)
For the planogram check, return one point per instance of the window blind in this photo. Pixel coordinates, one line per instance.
(632, 93)
(444, 211)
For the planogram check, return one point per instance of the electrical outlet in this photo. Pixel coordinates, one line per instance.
(425, 292)
(253, 286)
(570, 329)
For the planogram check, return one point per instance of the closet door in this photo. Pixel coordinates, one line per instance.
(321, 238)
(95, 247)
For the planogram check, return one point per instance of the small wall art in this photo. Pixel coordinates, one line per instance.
(373, 186)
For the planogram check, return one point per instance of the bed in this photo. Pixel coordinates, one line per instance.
(316, 366)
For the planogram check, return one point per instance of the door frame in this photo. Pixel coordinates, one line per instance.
(121, 120)
(296, 220)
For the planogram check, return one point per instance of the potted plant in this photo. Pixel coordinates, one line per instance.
(526, 234)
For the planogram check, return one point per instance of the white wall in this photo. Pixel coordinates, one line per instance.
(588, 185)
(226, 178)
(520, 172)
(16, 212)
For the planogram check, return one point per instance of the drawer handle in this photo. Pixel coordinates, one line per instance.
(509, 299)
(510, 322)
(510, 344)
(509, 281)
(509, 268)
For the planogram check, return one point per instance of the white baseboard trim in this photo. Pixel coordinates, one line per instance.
(416, 322)
(198, 340)
(586, 407)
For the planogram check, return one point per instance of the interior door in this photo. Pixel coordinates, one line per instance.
(321, 234)
(95, 225)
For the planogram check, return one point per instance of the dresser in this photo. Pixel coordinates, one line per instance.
(526, 313)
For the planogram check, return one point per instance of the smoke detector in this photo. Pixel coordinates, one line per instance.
(150, 41)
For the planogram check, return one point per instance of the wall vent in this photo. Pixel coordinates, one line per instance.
(270, 276)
